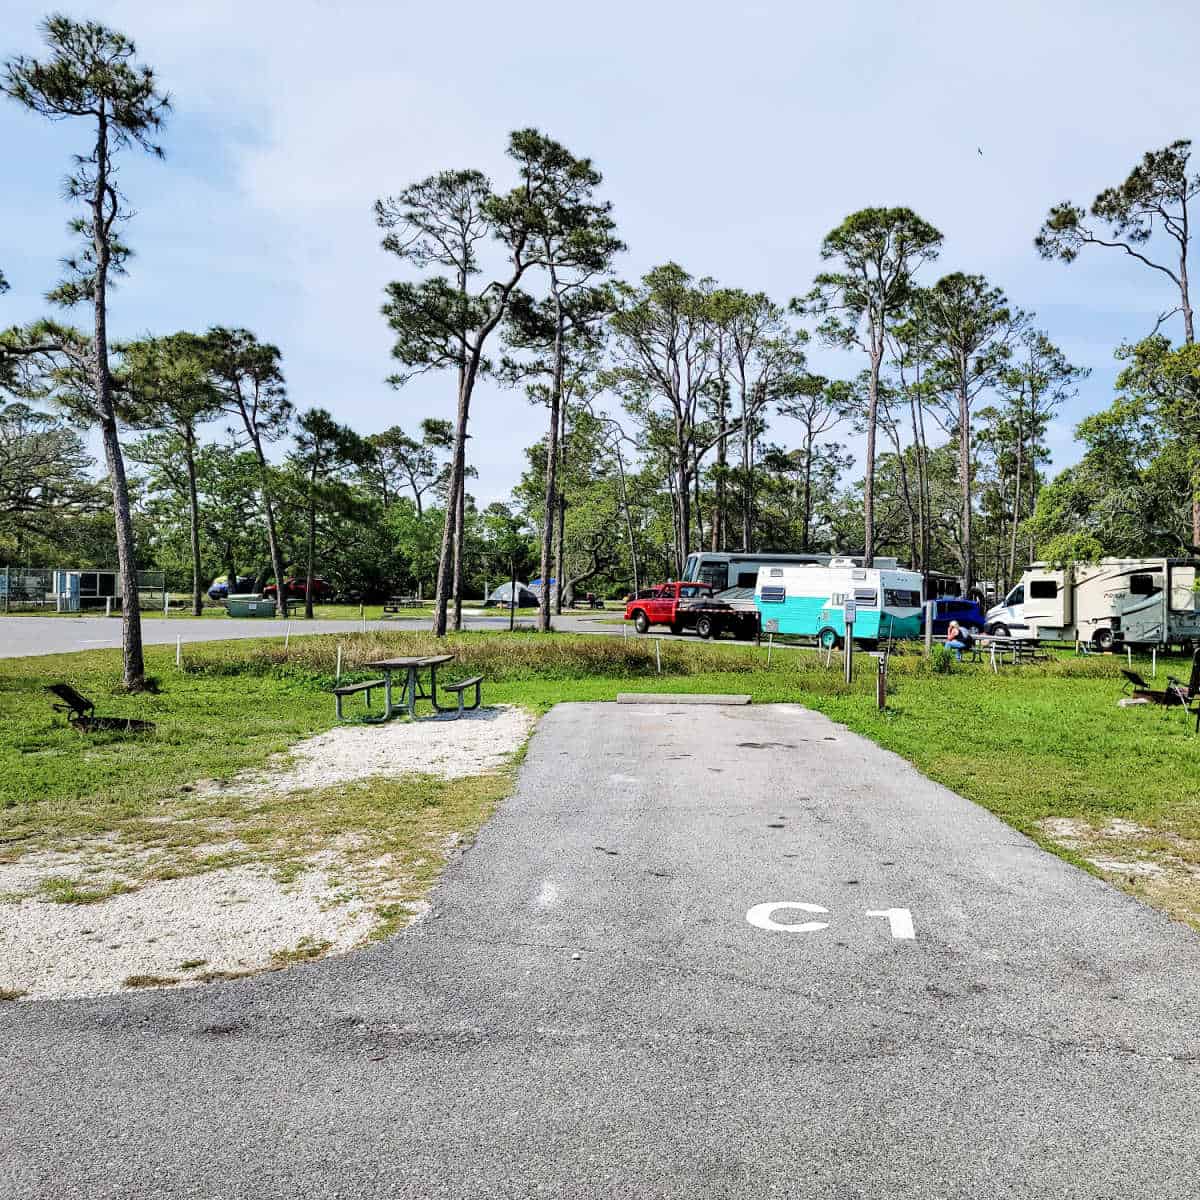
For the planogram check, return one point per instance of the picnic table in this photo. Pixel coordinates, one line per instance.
(1019, 649)
(412, 668)
(396, 603)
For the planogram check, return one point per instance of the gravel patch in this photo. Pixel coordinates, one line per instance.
(231, 920)
(474, 744)
(240, 918)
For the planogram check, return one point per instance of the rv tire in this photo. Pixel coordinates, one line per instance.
(999, 630)
(828, 639)
(1102, 639)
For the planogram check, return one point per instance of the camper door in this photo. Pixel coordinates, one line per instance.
(1047, 599)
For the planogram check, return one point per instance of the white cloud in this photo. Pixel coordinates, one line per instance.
(732, 139)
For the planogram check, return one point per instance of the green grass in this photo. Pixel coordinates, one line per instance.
(1029, 743)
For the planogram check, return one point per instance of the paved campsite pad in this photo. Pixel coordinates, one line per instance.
(589, 1013)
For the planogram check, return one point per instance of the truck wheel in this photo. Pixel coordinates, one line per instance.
(828, 639)
(999, 630)
(1102, 640)
(641, 622)
(704, 627)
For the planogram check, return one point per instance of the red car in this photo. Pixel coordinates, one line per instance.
(298, 588)
(690, 605)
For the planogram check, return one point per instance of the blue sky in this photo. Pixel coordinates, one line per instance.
(732, 138)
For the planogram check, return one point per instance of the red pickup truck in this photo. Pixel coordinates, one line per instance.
(682, 606)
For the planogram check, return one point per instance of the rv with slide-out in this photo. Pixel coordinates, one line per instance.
(1125, 601)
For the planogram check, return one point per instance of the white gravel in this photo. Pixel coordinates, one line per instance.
(234, 918)
(229, 920)
(451, 748)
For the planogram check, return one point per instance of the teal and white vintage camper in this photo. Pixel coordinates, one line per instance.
(809, 601)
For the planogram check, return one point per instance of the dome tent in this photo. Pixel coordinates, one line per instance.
(502, 597)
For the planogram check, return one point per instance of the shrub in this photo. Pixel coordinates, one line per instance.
(941, 660)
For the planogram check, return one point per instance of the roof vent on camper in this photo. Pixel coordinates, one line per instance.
(841, 562)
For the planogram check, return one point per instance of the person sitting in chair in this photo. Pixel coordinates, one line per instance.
(958, 639)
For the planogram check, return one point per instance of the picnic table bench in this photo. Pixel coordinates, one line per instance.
(349, 689)
(1019, 650)
(457, 690)
(396, 603)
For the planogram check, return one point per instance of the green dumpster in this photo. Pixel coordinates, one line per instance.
(249, 606)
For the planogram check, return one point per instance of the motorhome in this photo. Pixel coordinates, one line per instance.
(810, 601)
(1127, 601)
(739, 569)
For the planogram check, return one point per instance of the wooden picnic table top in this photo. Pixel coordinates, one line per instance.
(419, 660)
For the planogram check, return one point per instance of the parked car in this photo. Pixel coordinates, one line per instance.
(298, 589)
(219, 588)
(966, 612)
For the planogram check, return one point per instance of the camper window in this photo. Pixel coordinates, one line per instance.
(1141, 585)
(747, 579)
(1043, 589)
(1183, 589)
(901, 598)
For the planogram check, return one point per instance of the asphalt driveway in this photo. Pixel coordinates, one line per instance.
(728, 952)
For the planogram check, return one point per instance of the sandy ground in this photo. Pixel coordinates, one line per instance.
(1158, 866)
(232, 919)
(451, 748)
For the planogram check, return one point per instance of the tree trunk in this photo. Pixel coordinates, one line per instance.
(718, 521)
(446, 555)
(264, 471)
(683, 498)
(512, 594)
(550, 509)
(189, 442)
(922, 507)
(1016, 518)
(806, 515)
(869, 476)
(312, 545)
(560, 533)
(964, 475)
(134, 667)
(560, 536)
(1185, 299)
(633, 559)
(460, 538)
(747, 475)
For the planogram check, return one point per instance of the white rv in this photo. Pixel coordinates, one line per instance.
(1132, 601)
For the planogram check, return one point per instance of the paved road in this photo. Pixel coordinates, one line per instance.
(589, 1012)
(26, 636)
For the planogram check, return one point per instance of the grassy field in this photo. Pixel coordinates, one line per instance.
(1044, 747)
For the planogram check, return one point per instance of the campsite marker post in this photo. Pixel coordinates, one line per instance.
(928, 628)
(849, 615)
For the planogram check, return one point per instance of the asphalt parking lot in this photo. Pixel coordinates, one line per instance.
(727, 952)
